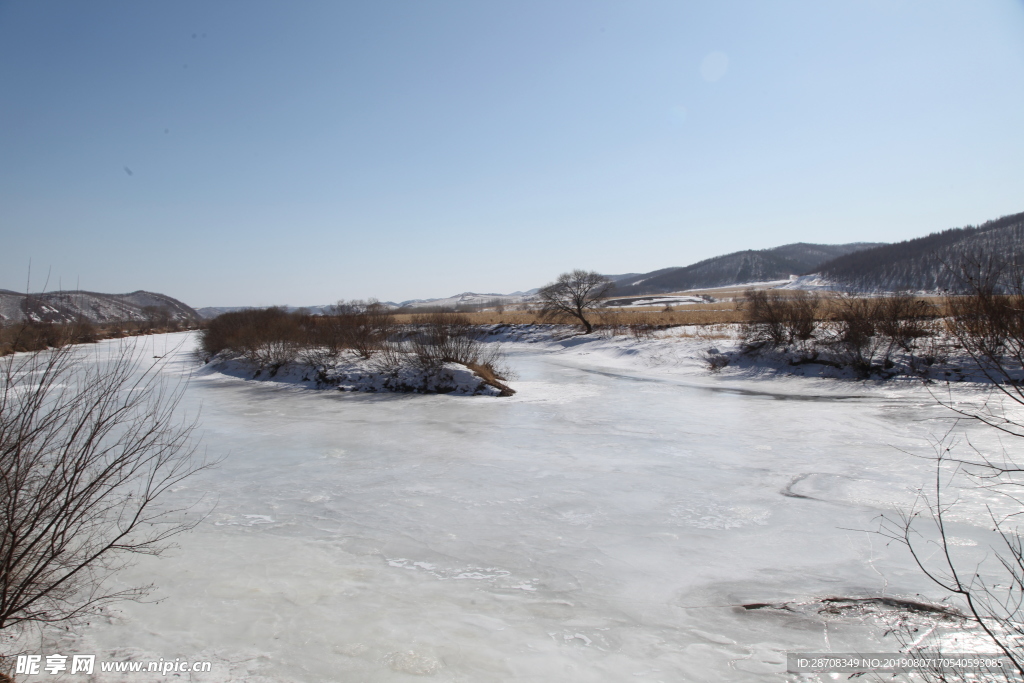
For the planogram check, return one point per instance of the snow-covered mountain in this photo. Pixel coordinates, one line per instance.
(469, 299)
(456, 301)
(914, 264)
(92, 306)
(737, 268)
(928, 263)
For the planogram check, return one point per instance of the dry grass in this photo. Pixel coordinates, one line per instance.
(694, 314)
(17, 337)
(719, 312)
(482, 318)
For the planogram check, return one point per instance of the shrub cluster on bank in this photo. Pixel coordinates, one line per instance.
(411, 357)
(39, 336)
(890, 334)
(872, 336)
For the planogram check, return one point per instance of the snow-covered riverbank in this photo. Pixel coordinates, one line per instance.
(692, 351)
(358, 374)
(698, 351)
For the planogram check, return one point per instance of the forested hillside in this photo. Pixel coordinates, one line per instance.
(927, 263)
(737, 268)
(69, 307)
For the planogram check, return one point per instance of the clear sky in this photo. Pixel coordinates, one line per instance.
(255, 153)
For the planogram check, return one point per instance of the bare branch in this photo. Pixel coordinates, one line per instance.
(89, 446)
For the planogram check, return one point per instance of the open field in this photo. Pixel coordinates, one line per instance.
(725, 311)
(694, 314)
(729, 309)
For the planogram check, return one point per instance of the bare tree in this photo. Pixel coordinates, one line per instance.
(774, 319)
(575, 294)
(90, 444)
(988, 325)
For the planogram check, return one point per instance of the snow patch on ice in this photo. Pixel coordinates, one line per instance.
(714, 516)
(412, 662)
(247, 520)
(468, 573)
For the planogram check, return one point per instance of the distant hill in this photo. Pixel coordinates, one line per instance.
(737, 268)
(92, 306)
(208, 312)
(464, 300)
(915, 264)
(926, 263)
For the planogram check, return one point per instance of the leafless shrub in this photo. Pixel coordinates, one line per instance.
(764, 324)
(84, 332)
(643, 326)
(801, 315)
(642, 330)
(273, 339)
(449, 338)
(268, 337)
(323, 340)
(709, 337)
(905, 319)
(610, 323)
(88, 448)
(776, 320)
(851, 335)
(225, 332)
(988, 322)
(638, 324)
(864, 333)
(714, 360)
(444, 338)
(366, 324)
(157, 317)
(391, 356)
(38, 336)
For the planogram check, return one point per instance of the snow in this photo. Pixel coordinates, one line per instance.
(468, 299)
(606, 523)
(656, 301)
(811, 282)
(357, 374)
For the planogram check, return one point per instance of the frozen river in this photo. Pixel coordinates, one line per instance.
(601, 525)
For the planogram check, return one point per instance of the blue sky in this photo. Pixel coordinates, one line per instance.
(256, 153)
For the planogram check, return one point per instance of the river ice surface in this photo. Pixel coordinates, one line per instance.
(604, 524)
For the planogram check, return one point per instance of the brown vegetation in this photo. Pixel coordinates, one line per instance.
(861, 333)
(37, 336)
(269, 338)
(689, 314)
(866, 334)
(988, 323)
